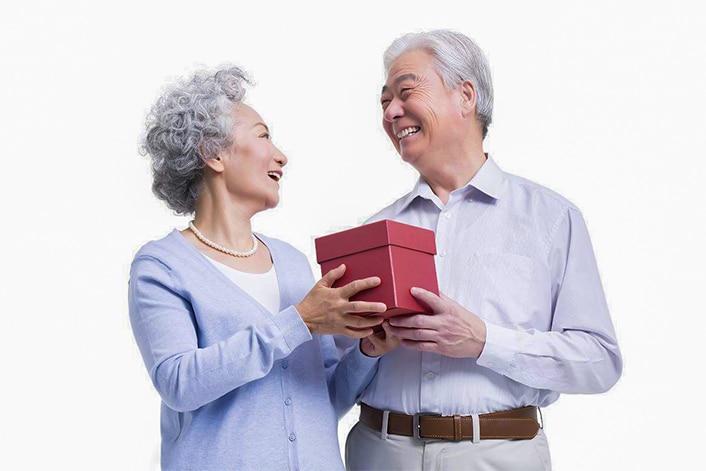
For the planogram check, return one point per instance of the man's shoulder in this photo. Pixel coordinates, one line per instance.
(527, 190)
(390, 211)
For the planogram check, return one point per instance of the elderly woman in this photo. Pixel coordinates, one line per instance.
(234, 337)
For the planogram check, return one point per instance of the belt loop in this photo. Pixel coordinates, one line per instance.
(457, 428)
(476, 428)
(385, 421)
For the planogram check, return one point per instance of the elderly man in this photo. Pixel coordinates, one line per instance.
(523, 316)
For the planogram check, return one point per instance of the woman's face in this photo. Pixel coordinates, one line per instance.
(253, 164)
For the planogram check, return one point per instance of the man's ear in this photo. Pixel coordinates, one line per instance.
(469, 99)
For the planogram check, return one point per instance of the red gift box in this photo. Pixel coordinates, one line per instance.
(400, 254)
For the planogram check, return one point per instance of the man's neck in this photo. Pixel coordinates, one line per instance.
(451, 174)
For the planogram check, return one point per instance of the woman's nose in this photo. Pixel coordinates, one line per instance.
(280, 158)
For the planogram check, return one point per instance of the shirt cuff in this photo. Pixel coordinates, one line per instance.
(500, 347)
(294, 330)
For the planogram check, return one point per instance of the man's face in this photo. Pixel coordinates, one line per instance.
(420, 115)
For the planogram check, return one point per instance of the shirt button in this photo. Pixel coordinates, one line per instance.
(285, 364)
(430, 375)
(442, 253)
(292, 437)
(288, 401)
(446, 215)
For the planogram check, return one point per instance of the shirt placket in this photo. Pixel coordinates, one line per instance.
(431, 363)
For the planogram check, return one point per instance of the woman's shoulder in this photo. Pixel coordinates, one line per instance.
(283, 248)
(163, 250)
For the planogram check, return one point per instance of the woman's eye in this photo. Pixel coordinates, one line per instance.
(265, 135)
(405, 90)
(384, 103)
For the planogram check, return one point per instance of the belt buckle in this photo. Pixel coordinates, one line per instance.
(416, 426)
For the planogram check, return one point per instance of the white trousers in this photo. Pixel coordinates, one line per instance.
(366, 451)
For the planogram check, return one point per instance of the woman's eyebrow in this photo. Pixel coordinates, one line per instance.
(260, 123)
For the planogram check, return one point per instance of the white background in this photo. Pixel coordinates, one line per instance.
(600, 101)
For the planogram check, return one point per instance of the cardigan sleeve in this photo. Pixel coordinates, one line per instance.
(348, 371)
(186, 376)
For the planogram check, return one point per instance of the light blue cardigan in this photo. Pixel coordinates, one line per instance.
(241, 388)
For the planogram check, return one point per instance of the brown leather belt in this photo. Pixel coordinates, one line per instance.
(512, 424)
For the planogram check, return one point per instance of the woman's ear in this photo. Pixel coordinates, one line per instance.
(469, 99)
(214, 163)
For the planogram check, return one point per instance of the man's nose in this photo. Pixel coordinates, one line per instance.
(393, 111)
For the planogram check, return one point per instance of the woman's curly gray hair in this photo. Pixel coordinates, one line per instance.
(191, 122)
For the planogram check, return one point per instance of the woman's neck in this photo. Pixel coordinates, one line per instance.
(224, 221)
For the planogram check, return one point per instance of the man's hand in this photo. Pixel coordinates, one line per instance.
(327, 310)
(451, 330)
(380, 342)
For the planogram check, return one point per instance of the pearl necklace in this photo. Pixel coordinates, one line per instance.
(220, 248)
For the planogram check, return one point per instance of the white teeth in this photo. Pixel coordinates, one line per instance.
(274, 175)
(407, 131)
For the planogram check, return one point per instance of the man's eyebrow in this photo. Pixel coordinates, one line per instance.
(401, 78)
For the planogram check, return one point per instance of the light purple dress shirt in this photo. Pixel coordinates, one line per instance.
(519, 256)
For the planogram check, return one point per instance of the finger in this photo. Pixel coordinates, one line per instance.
(422, 346)
(430, 299)
(357, 334)
(379, 345)
(418, 335)
(417, 321)
(388, 330)
(360, 322)
(444, 297)
(363, 306)
(357, 286)
(330, 278)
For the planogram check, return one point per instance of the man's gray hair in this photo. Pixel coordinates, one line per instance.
(457, 59)
(191, 122)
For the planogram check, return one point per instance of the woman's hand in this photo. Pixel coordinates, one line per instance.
(379, 342)
(327, 310)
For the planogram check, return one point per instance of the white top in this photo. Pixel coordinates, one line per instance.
(263, 287)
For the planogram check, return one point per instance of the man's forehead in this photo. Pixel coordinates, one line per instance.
(411, 65)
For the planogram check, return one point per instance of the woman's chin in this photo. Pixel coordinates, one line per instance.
(272, 203)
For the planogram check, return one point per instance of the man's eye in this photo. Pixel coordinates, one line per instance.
(384, 103)
(405, 90)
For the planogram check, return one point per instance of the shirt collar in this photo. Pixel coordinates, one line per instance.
(489, 179)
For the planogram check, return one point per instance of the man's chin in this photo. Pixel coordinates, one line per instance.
(408, 157)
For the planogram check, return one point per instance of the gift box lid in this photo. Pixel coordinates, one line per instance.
(374, 235)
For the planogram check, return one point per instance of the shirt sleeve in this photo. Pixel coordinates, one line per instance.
(580, 353)
(186, 376)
